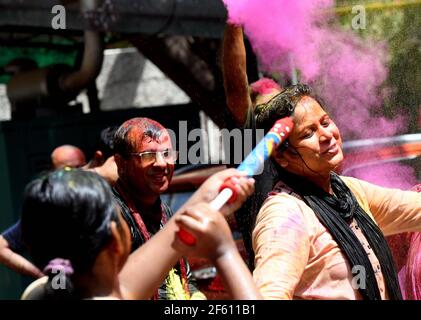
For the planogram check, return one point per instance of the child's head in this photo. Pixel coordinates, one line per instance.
(70, 215)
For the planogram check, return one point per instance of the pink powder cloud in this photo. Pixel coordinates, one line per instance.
(348, 72)
(393, 175)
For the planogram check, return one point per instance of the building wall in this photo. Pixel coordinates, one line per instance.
(126, 80)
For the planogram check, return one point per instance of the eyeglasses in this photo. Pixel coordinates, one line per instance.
(149, 157)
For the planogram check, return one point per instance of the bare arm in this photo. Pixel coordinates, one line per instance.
(108, 170)
(236, 277)
(148, 266)
(216, 243)
(234, 69)
(16, 262)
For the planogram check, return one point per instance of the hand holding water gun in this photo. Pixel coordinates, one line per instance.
(251, 165)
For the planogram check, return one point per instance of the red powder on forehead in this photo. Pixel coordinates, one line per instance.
(264, 86)
(137, 129)
(142, 124)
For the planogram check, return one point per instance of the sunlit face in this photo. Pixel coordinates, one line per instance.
(150, 179)
(67, 156)
(316, 144)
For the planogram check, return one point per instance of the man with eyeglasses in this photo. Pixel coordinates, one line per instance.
(145, 161)
(67, 156)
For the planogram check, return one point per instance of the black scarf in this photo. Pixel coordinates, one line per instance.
(336, 213)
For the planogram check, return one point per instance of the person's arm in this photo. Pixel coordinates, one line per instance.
(281, 243)
(394, 210)
(148, 266)
(210, 189)
(16, 262)
(108, 170)
(215, 242)
(234, 70)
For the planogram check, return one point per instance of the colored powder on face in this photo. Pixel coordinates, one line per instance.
(348, 72)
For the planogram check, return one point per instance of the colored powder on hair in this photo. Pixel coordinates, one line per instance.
(348, 72)
(71, 184)
(264, 86)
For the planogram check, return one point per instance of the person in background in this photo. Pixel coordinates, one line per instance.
(145, 160)
(316, 231)
(90, 257)
(67, 156)
(11, 246)
(103, 162)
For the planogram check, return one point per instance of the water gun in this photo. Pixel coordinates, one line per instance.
(252, 165)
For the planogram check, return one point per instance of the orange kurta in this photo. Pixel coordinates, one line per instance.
(297, 258)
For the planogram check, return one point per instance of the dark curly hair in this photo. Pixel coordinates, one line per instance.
(281, 105)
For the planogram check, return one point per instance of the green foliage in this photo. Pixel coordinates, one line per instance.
(43, 57)
(399, 27)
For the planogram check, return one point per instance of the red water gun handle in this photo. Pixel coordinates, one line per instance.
(186, 237)
(228, 184)
(227, 194)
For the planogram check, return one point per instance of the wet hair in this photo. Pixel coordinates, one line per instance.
(67, 155)
(144, 126)
(66, 214)
(279, 106)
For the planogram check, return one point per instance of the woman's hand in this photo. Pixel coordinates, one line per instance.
(209, 227)
(214, 241)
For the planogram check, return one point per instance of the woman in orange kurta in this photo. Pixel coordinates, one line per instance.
(319, 235)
